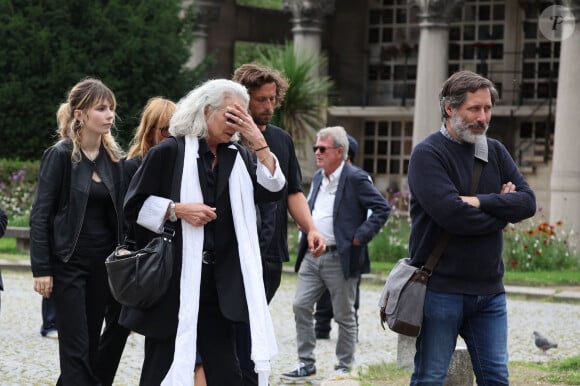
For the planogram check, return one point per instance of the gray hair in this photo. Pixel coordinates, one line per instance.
(456, 87)
(189, 116)
(339, 138)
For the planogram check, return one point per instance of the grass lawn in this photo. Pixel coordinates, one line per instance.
(9, 251)
(536, 278)
(556, 372)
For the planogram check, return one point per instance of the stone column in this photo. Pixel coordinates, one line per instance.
(432, 63)
(307, 19)
(205, 12)
(565, 181)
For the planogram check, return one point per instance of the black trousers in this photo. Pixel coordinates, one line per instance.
(215, 343)
(48, 317)
(111, 344)
(244, 349)
(272, 274)
(80, 292)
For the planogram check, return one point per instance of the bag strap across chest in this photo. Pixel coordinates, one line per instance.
(480, 160)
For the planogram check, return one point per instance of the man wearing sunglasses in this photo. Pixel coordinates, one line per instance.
(342, 196)
(324, 314)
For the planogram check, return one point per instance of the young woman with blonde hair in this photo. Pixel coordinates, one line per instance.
(76, 221)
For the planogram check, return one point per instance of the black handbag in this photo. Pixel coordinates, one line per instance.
(140, 278)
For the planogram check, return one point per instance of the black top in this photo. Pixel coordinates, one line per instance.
(99, 219)
(210, 176)
(282, 146)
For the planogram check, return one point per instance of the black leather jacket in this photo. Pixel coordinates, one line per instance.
(61, 197)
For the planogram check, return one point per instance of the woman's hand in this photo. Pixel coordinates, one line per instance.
(242, 122)
(43, 285)
(196, 213)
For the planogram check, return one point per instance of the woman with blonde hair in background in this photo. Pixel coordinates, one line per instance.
(152, 129)
(75, 223)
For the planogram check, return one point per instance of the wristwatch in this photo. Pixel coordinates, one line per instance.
(172, 215)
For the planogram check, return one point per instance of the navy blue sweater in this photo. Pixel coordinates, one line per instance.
(440, 171)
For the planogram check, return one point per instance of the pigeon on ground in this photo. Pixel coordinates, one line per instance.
(543, 343)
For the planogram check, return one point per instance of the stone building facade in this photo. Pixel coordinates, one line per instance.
(388, 59)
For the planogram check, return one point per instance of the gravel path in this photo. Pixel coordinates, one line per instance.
(28, 359)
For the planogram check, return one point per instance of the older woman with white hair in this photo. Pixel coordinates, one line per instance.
(218, 277)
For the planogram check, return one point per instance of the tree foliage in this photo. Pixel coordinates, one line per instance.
(137, 47)
(303, 109)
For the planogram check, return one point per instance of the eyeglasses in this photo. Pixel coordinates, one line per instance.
(164, 132)
(322, 149)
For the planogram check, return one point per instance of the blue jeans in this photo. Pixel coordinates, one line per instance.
(482, 323)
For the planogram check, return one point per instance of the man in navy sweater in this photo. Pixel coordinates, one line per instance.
(465, 294)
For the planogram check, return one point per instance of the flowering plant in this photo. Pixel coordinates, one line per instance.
(392, 242)
(534, 245)
(399, 202)
(16, 197)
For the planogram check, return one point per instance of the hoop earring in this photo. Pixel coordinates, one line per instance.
(78, 125)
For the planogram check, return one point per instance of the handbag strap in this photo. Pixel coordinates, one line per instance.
(445, 236)
(169, 227)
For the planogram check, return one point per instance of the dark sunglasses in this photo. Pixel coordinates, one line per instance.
(164, 132)
(322, 149)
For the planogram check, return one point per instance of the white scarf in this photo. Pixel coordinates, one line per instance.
(244, 214)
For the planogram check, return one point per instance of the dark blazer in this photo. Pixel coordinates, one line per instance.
(355, 195)
(154, 178)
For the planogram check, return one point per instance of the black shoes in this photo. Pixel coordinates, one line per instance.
(300, 372)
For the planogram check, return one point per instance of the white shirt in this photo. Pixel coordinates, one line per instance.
(322, 212)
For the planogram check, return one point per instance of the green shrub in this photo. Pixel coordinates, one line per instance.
(10, 166)
(17, 188)
(271, 4)
(531, 245)
(534, 244)
(392, 242)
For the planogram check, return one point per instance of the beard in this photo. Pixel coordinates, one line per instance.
(464, 129)
(261, 122)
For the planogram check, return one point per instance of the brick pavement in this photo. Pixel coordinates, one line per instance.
(28, 359)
